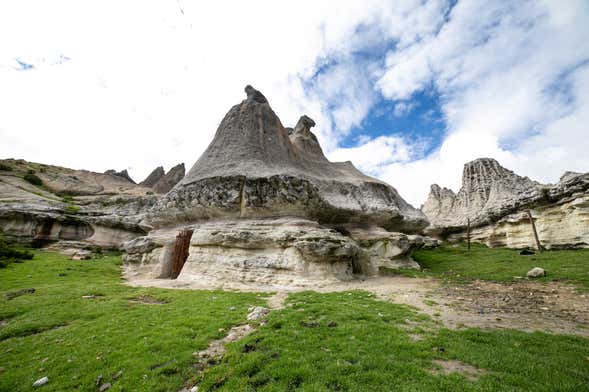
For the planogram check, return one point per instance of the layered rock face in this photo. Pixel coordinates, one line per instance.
(268, 208)
(75, 206)
(254, 168)
(496, 200)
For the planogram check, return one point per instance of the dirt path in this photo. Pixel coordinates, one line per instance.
(216, 349)
(525, 305)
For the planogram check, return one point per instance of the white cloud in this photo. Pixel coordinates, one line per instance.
(501, 70)
(374, 155)
(147, 83)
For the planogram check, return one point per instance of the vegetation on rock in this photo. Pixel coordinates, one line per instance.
(33, 179)
(10, 254)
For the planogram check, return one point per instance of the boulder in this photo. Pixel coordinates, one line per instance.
(536, 272)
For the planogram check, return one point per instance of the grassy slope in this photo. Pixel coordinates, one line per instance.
(151, 344)
(457, 263)
(370, 348)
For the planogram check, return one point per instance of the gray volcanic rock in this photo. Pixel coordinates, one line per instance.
(253, 168)
(167, 182)
(123, 174)
(153, 177)
(496, 200)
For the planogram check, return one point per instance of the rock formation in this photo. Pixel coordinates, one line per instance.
(254, 168)
(496, 200)
(80, 207)
(267, 207)
(163, 182)
(123, 174)
(168, 181)
(153, 177)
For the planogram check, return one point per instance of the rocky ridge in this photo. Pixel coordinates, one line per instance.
(496, 199)
(44, 204)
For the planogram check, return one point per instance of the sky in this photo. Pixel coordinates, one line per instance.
(407, 90)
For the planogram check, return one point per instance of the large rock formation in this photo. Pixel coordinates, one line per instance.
(254, 168)
(69, 205)
(496, 201)
(267, 207)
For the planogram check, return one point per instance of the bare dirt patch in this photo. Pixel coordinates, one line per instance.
(525, 305)
(446, 367)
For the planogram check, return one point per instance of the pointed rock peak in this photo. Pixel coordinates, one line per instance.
(254, 95)
(306, 141)
(435, 189)
(153, 177)
(167, 182)
(304, 124)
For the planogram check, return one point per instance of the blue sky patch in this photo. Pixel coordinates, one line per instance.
(417, 120)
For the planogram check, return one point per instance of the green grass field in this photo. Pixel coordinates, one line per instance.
(503, 265)
(320, 342)
(72, 340)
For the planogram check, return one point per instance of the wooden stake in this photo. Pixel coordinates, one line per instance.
(538, 245)
(180, 252)
(468, 233)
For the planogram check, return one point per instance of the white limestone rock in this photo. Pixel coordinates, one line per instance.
(496, 200)
(536, 272)
(253, 168)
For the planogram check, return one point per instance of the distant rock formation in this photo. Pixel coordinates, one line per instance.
(168, 181)
(78, 207)
(123, 174)
(153, 177)
(495, 199)
(267, 208)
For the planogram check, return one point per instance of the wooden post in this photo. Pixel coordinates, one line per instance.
(468, 233)
(180, 252)
(538, 245)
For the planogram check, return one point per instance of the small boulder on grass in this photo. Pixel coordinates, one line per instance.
(40, 382)
(536, 272)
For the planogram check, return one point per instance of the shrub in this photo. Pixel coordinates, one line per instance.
(33, 179)
(72, 210)
(5, 167)
(9, 254)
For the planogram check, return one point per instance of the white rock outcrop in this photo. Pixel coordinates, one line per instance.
(268, 209)
(496, 201)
